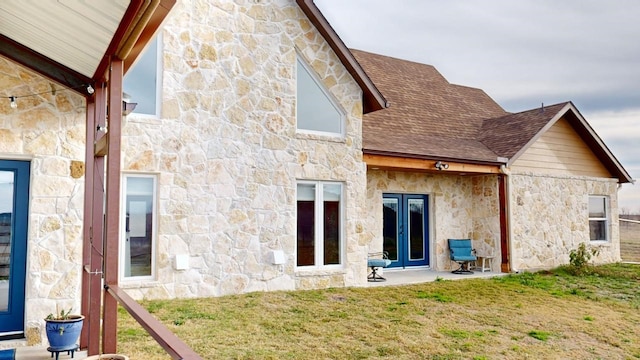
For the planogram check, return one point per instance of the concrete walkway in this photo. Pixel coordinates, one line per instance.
(423, 275)
(41, 353)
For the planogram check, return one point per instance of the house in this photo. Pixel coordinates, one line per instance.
(527, 187)
(261, 156)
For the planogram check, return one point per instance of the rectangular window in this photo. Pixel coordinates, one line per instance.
(598, 218)
(142, 83)
(316, 110)
(138, 241)
(319, 224)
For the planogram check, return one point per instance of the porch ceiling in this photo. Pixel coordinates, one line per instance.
(73, 33)
(72, 41)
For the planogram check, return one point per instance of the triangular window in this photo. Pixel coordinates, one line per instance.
(317, 111)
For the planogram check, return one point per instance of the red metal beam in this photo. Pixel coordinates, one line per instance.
(86, 229)
(175, 347)
(93, 226)
(112, 208)
(505, 242)
(44, 65)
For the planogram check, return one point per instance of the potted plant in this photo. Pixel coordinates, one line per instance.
(63, 330)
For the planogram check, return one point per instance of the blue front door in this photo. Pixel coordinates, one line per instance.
(14, 202)
(405, 229)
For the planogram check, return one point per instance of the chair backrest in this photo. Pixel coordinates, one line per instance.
(460, 247)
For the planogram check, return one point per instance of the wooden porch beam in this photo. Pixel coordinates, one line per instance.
(101, 146)
(412, 164)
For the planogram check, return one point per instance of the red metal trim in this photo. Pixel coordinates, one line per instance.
(112, 208)
(127, 21)
(175, 347)
(149, 31)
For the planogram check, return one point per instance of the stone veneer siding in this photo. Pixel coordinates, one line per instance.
(49, 131)
(225, 151)
(227, 154)
(549, 218)
(459, 207)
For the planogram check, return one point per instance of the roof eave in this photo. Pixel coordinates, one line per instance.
(373, 99)
(600, 149)
(140, 22)
(588, 135)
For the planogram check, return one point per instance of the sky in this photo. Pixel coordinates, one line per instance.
(521, 53)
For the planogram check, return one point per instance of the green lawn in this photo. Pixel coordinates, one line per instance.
(549, 315)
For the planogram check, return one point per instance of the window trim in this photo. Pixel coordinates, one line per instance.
(300, 60)
(154, 227)
(319, 230)
(607, 222)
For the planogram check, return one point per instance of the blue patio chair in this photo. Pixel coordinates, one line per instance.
(375, 261)
(463, 253)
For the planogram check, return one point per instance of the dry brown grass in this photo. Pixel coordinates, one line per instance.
(536, 316)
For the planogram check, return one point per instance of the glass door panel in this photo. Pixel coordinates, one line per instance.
(391, 227)
(415, 229)
(405, 229)
(6, 214)
(14, 195)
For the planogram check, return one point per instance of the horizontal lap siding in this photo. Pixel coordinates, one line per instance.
(560, 151)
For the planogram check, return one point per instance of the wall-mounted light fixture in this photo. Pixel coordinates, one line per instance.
(441, 166)
(128, 107)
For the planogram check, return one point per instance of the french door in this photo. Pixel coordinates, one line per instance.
(14, 202)
(405, 229)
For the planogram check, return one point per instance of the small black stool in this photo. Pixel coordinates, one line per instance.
(57, 350)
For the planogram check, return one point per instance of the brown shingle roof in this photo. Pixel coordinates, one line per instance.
(428, 116)
(507, 135)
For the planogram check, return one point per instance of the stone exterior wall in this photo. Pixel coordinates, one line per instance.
(49, 131)
(227, 154)
(225, 150)
(549, 218)
(459, 207)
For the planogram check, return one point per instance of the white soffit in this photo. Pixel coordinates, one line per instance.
(74, 33)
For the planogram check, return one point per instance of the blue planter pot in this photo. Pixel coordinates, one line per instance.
(63, 334)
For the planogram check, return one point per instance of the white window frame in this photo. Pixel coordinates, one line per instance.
(334, 102)
(319, 230)
(159, 71)
(607, 214)
(123, 235)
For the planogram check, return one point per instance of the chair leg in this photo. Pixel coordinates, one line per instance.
(463, 269)
(374, 276)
